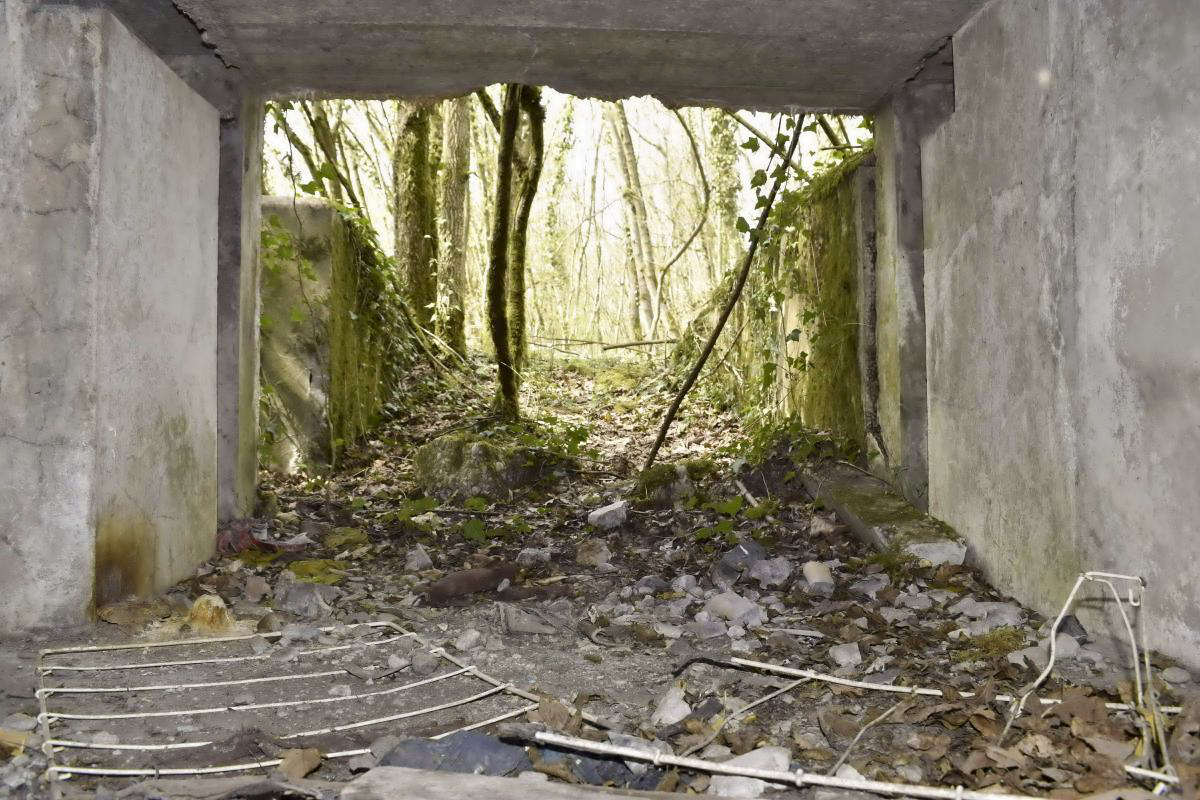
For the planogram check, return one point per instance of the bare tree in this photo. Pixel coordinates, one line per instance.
(453, 219)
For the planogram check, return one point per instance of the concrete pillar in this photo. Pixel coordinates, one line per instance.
(239, 220)
(108, 191)
(907, 117)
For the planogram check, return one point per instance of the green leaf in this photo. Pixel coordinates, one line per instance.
(751, 145)
(476, 504)
(724, 526)
(759, 178)
(729, 507)
(474, 530)
(794, 335)
(742, 225)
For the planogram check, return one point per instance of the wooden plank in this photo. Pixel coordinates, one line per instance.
(394, 783)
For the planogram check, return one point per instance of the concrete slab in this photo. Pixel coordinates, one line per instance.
(817, 54)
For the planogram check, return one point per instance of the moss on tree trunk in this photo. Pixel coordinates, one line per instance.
(415, 229)
(497, 278)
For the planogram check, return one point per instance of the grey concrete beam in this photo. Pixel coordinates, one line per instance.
(239, 222)
(815, 54)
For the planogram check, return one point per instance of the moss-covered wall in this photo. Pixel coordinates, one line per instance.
(797, 356)
(332, 331)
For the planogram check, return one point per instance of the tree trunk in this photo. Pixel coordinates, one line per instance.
(415, 228)
(531, 171)
(456, 170)
(508, 404)
(639, 226)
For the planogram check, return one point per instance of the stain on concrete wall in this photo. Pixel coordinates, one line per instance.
(1064, 300)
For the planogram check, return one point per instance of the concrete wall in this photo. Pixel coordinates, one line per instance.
(901, 406)
(108, 167)
(1063, 300)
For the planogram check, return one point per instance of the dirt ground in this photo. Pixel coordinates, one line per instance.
(634, 625)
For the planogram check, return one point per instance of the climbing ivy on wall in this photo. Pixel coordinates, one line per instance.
(791, 356)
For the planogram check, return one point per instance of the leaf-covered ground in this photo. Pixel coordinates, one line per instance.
(636, 624)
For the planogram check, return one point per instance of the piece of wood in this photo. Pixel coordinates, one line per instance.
(392, 783)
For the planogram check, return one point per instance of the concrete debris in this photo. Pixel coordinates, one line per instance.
(735, 608)
(417, 560)
(846, 655)
(671, 708)
(425, 663)
(651, 584)
(819, 578)
(769, 758)
(770, 571)
(610, 516)
(255, 588)
(987, 616)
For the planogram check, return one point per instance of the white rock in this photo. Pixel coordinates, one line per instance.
(468, 640)
(772, 758)
(770, 571)
(593, 553)
(530, 775)
(869, 586)
(846, 655)
(849, 772)
(417, 560)
(942, 551)
(19, 722)
(917, 602)
(732, 606)
(610, 516)
(671, 708)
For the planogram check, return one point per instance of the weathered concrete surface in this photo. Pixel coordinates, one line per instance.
(296, 332)
(820, 54)
(1063, 301)
(107, 336)
(239, 222)
(901, 408)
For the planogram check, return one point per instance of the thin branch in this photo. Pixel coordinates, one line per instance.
(846, 754)
(734, 295)
(830, 133)
(489, 108)
(762, 137)
(636, 344)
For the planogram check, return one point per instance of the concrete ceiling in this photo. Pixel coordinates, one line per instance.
(769, 54)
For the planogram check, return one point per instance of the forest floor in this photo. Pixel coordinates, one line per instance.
(633, 626)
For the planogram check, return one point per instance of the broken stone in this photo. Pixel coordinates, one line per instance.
(916, 602)
(650, 584)
(259, 645)
(268, 623)
(296, 764)
(1176, 675)
(517, 621)
(593, 553)
(846, 655)
(425, 663)
(939, 552)
(533, 556)
(988, 616)
(766, 758)
(340, 690)
(707, 629)
(686, 583)
(734, 607)
(819, 577)
(744, 554)
(770, 572)
(255, 588)
(1071, 626)
(871, 585)
(468, 640)
(610, 516)
(309, 599)
(417, 560)
(671, 708)
(637, 743)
